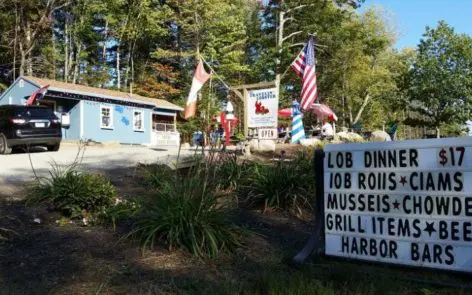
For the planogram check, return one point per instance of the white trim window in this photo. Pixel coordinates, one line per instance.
(106, 117)
(138, 120)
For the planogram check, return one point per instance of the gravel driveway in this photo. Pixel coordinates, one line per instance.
(16, 168)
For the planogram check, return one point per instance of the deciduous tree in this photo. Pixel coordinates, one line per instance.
(440, 80)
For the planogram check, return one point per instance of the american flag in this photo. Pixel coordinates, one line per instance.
(38, 94)
(304, 66)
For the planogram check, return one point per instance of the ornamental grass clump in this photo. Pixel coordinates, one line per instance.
(154, 176)
(286, 186)
(184, 216)
(229, 173)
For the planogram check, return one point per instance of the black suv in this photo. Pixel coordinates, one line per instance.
(27, 126)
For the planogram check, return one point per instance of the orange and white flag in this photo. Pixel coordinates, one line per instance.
(200, 77)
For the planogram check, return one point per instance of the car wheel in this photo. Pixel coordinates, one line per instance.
(4, 149)
(54, 148)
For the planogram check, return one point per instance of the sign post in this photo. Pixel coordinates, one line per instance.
(244, 96)
(246, 126)
(405, 202)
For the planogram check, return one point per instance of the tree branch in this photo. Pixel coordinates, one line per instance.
(296, 44)
(291, 35)
(298, 7)
(61, 6)
(288, 19)
(44, 17)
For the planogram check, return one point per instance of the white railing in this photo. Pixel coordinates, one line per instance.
(161, 138)
(165, 134)
(164, 127)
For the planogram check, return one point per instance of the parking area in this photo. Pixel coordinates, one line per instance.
(17, 168)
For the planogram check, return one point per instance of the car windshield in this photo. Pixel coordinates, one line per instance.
(33, 112)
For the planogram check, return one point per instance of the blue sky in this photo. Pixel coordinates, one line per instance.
(412, 16)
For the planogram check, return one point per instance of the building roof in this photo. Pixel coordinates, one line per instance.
(101, 92)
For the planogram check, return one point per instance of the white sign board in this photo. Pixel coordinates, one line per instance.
(406, 202)
(262, 108)
(267, 133)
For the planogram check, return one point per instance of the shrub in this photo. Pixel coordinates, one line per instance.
(287, 186)
(240, 136)
(184, 216)
(74, 193)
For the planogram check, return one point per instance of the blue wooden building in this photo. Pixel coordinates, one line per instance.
(102, 115)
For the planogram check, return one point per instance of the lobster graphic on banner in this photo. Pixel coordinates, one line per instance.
(260, 109)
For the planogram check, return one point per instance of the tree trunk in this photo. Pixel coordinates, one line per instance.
(438, 132)
(22, 59)
(104, 50)
(361, 110)
(128, 65)
(77, 63)
(71, 52)
(29, 60)
(347, 102)
(349, 109)
(279, 39)
(53, 40)
(66, 51)
(15, 42)
(344, 98)
(118, 74)
(367, 96)
(132, 67)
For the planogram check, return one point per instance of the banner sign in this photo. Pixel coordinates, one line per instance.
(267, 133)
(407, 202)
(262, 108)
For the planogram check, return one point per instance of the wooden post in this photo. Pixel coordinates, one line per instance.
(246, 121)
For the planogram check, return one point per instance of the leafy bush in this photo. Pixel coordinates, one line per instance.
(240, 136)
(74, 193)
(184, 216)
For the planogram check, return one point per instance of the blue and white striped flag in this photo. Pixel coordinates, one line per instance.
(298, 131)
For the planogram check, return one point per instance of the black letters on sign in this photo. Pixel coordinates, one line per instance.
(385, 204)
(342, 160)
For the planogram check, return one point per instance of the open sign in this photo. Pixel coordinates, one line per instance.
(267, 133)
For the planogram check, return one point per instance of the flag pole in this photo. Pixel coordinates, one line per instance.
(314, 44)
(214, 72)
